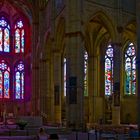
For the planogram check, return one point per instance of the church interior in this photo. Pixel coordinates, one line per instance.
(70, 63)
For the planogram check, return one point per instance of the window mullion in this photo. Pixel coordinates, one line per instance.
(20, 40)
(2, 84)
(2, 39)
(131, 76)
(20, 85)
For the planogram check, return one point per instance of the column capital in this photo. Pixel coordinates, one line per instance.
(113, 44)
(74, 34)
(120, 29)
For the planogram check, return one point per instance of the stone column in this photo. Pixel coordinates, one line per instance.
(95, 103)
(43, 87)
(57, 86)
(138, 62)
(90, 89)
(74, 64)
(46, 92)
(48, 101)
(35, 69)
(75, 81)
(52, 89)
(97, 100)
(42, 58)
(116, 83)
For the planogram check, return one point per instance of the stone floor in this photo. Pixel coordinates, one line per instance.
(11, 132)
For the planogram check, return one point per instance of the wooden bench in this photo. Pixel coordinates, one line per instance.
(18, 138)
(135, 138)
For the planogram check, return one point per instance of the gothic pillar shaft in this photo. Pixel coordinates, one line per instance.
(94, 94)
(75, 80)
(75, 63)
(138, 63)
(90, 89)
(42, 57)
(43, 89)
(57, 86)
(116, 83)
(35, 70)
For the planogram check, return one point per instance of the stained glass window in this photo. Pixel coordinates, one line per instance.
(12, 76)
(4, 35)
(19, 37)
(130, 70)
(4, 80)
(19, 81)
(64, 76)
(109, 70)
(85, 73)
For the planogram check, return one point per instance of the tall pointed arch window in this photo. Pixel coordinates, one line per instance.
(15, 55)
(85, 73)
(64, 76)
(19, 81)
(130, 70)
(109, 70)
(4, 35)
(4, 80)
(19, 37)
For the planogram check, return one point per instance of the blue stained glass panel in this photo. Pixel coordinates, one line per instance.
(3, 23)
(22, 84)
(4, 35)
(20, 24)
(20, 67)
(19, 37)
(22, 41)
(85, 73)
(4, 80)
(130, 70)
(17, 41)
(6, 40)
(17, 85)
(109, 71)
(1, 84)
(6, 84)
(1, 39)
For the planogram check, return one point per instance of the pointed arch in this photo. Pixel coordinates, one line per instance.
(19, 38)
(19, 80)
(99, 27)
(129, 32)
(130, 69)
(109, 71)
(47, 46)
(4, 35)
(60, 35)
(4, 80)
(102, 18)
(85, 73)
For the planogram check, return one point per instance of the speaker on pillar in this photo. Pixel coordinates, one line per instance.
(117, 86)
(117, 94)
(56, 95)
(72, 90)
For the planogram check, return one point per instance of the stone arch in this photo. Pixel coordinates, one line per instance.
(25, 7)
(100, 27)
(99, 31)
(129, 32)
(60, 34)
(47, 46)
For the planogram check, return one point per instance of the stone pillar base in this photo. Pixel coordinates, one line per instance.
(116, 115)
